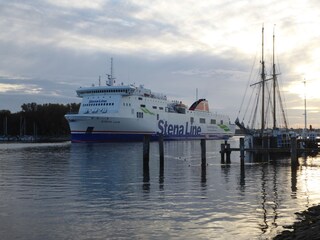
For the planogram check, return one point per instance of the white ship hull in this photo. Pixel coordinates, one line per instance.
(102, 128)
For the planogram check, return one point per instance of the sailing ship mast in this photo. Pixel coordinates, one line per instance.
(263, 79)
(274, 77)
(275, 91)
(276, 88)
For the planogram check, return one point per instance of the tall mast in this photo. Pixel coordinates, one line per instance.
(305, 107)
(263, 79)
(274, 77)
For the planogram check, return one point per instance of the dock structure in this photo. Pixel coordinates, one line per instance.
(295, 148)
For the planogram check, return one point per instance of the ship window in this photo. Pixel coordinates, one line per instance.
(161, 108)
(154, 107)
(139, 114)
(221, 121)
(213, 121)
(157, 116)
(191, 120)
(140, 98)
(142, 105)
(202, 120)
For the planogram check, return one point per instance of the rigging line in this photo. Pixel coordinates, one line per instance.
(282, 109)
(252, 112)
(252, 104)
(256, 108)
(282, 104)
(269, 103)
(281, 121)
(248, 105)
(248, 83)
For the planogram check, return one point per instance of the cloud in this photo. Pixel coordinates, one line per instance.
(16, 88)
(49, 48)
(83, 4)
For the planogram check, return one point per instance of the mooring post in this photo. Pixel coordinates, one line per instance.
(203, 152)
(242, 151)
(228, 153)
(294, 152)
(222, 148)
(146, 150)
(161, 152)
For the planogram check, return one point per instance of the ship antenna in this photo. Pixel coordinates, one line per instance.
(111, 79)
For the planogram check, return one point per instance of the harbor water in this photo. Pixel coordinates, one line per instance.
(102, 191)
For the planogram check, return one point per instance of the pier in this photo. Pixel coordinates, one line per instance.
(294, 149)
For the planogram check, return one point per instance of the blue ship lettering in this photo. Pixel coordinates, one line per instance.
(177, 130)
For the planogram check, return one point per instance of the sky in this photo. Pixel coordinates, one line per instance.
(49, 48)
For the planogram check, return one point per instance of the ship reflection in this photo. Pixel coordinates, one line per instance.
(273, 172)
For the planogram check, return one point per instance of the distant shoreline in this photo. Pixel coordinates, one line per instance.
(32, 139)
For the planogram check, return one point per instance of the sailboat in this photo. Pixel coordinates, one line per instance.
(268, 99)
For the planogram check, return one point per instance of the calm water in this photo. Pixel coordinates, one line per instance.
(100, 191)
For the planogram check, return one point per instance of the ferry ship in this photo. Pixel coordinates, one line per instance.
(127, 113)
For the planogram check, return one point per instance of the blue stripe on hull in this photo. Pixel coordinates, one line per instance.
(107, 137)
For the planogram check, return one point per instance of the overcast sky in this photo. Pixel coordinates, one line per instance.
(49, 48)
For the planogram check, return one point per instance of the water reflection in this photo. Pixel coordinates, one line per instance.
(161, 175)
(146, 178)
(203, 176)
(294, 188)
(242, 177)
(103, 191)
(270, 166)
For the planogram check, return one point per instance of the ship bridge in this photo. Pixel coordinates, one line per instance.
(106, 90)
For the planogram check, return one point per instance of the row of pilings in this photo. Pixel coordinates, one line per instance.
(146, 152)
(225, 151)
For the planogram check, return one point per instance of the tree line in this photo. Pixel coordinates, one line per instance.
(37, 119)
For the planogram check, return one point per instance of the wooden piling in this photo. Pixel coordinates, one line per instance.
(228, 153)
(242, 151)
(146, 150)
(294, 152)
(146, 174)
(203, 152)
(161, 152)
(222, 147)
